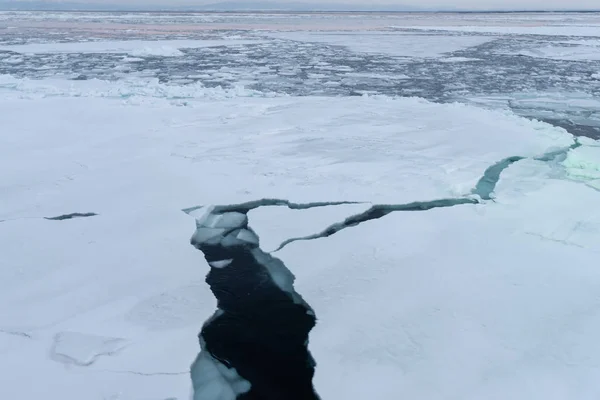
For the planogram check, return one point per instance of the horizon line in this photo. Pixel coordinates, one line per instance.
(191, 9)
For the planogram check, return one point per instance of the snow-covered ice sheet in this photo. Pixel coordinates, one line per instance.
(405, 299)
(406, 154)
(401, 301)
(138, 48)
(395, 44)
(574, 30)
(576, 51)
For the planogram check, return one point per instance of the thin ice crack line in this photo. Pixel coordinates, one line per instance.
(252, 205)
(16, 333)
(57, 218)
(379, 211)
(18, 219)
(483, 189)
(143, 373)
(546, 238)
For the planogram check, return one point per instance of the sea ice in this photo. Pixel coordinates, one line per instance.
(557, 52)
(508, 289)
(129, 89)
(390, 43)
(160, 51)
(136, 48)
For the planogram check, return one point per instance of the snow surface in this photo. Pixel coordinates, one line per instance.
(83, 349)
(494, 301)
(395, 44)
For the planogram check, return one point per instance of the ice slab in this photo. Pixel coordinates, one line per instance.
(390, 43)
(538, 189)
(574, 52)
(220, 263)
(214, 381)
(587, 30)
(583, 164)
(579, 112)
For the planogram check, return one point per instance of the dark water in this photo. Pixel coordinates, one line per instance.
(262, 327)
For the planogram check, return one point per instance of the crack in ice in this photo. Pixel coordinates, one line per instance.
(483, 189)
(255, 345)
(254, 204)
(487, 184)
(379, 211)
(16, 333)
(70, 216)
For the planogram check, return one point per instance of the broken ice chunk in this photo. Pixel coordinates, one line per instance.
(200, 213)
(229, 220)
(220, 263)
(207, 236)
(231, 240)
(207, 218)
(214, 381)
(248, 236)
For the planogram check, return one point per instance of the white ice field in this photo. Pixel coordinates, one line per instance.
(495, 300)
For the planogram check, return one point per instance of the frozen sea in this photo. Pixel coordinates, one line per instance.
(466, 268)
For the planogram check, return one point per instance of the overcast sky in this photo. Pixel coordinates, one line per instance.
(465, 4)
